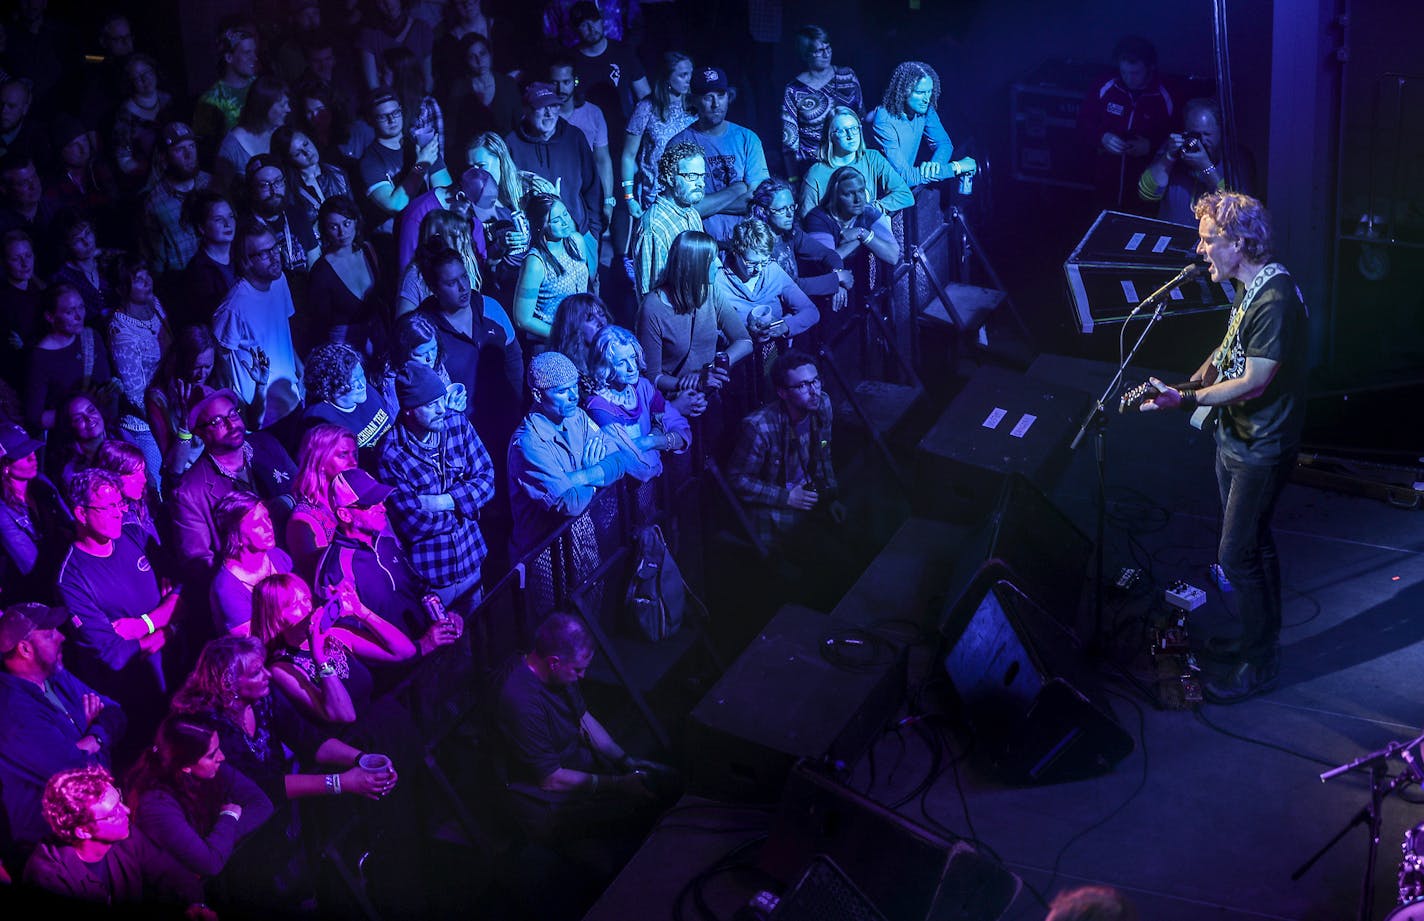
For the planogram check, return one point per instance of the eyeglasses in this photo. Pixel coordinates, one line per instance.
(755, 263)
(272, 252)
(821, 49)
(784, 212)
(270, 185)
(393, 116)
(803, 386)
(112, 507)
(228, 418)
(693, 177)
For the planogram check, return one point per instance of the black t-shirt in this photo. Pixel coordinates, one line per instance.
(1267, 429)
(540, 725)
(607, 82)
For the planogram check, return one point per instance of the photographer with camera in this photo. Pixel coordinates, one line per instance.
(1191, 163)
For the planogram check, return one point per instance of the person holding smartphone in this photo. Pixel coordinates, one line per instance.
(764, 296)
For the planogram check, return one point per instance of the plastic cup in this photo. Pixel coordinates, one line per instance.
(374, 763)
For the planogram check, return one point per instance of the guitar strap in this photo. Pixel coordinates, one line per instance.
(1202, 415)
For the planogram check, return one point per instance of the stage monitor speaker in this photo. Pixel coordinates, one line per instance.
(1025, 686)
(906, 871)
(788, 696)
(1001, 422)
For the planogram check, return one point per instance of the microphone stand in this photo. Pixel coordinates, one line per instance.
(1096, 423)
(1372, 814)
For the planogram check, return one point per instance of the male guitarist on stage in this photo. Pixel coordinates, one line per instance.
(1255, 384)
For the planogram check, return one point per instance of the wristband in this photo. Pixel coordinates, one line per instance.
(627, 196)
(333, 784)
(1189, 400)
(185, 435)
(610, 200)
(326, 670)
(869, 235)
(148, 621)
(235, 816)
(627, 183)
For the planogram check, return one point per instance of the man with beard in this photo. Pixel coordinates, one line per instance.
(267, 195)
(254, 325)
(53, 721)
(441, 476)
(168, 243)
(1190, 164)
(682, 176)
(575, 109)
(736, 162)
(609, 73)
(394, 169)
(546, 145)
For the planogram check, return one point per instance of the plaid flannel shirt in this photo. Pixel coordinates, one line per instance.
(444, 547)
(653, 237)
(759, 466)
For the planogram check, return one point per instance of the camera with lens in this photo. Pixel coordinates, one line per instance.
(1191, 143)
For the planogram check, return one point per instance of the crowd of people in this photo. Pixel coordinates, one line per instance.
(296, 364)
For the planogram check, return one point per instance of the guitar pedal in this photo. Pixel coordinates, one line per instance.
(1185, 597)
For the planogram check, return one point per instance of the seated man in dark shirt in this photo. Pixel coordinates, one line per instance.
(53, 721)
(94, 858)
(570, 779)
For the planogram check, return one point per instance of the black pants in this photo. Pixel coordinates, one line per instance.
(1247, 551)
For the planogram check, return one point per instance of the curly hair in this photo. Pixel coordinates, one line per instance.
(752, 235)
(314, 473)
(328, 371)
(603, 345)
(672, 158)
(211, 687)
(902, 83)
(228, 513)
(566, 335)
(84, 484)
(827, 148)
(69, 798)
(1241, 219)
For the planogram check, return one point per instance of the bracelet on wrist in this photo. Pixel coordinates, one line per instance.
(627, 196)
(185, 435)
(235, 816)
(1189, 399)
(333, 784)
(326, 670)
(148, 622)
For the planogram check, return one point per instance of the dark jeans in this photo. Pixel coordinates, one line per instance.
(1247, 551)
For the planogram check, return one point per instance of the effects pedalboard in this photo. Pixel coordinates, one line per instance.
(1186, 597)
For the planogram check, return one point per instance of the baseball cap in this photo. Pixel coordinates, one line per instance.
(356, 487)
(176, 133)
(583, 11)
(539, 95)
(708, 80)
(20, 620)
(16, 443)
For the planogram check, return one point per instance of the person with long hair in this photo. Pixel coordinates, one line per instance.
(448, 229)
(679, 323)
(846, 222)
(627, 406)
(314, 659)
(211, 273)
(655, 120)
(247, 554)
(907, 117)
(843, 145)
(80, 429)
(263, 111)
(141, 516)
(138, 336)
(326, 450)
(417, 339)
(311, 179)
(286, 756)
(182, 380)
(816, 269)
(500, 209)
(579, 319)
(189, 801)
(811, 95)
(555, 268)
(35, 524)
(344, 293)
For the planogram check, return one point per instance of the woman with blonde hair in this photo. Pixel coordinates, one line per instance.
(247, 554)
(326, 450)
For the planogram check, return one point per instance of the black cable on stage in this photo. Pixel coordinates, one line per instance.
(731, 860)
(1141, 784)
(1285, 750)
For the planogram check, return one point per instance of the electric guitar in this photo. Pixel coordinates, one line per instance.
(1134, 398)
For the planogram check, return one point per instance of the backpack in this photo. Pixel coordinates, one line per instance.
(656, 594)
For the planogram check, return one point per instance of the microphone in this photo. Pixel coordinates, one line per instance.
(1190, 272)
